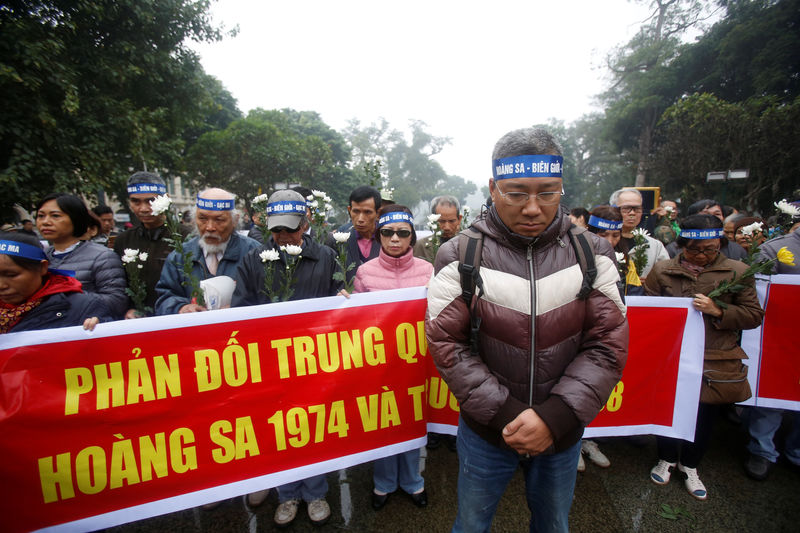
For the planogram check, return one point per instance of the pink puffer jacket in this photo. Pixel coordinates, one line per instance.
(387, 272)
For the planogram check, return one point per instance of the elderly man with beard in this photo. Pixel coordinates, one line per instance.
(216, 251)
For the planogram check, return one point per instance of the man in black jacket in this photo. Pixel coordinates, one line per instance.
(148, 235)
(311, 268)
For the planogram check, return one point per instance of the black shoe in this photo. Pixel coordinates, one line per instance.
(757, 467)
(379, 500)
(450, 442)
(434, 441)
(420, 499)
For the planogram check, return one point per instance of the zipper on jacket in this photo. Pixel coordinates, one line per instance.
(533, 323)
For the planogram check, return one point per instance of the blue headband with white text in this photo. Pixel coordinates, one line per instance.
(602, 223)
(27, 251)
(286, 207)
(528, 166)
(147, 188)
(215, 205)
(395, 216)
(702, 234)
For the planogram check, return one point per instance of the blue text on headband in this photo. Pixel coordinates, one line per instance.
(287, 207)
(395, 216)
(702, 234)
(215, 205)
(147, 188)
(528, 166)
(34, 253)
(602, 223)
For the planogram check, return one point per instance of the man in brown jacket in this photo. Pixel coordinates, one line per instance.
(546, 359)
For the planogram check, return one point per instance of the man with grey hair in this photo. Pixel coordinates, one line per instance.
(217, 250)
(535, 349)
(449, 211)
(629, 203)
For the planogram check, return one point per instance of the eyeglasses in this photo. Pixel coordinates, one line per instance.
(708, 252)
(402, 233)
(627, 209)
(282, 229)
(522, 198)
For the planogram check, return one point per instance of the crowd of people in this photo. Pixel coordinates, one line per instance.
(529, 373)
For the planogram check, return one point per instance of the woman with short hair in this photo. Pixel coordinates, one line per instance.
(63, 219)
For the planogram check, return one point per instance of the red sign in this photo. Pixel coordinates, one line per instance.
(149, 416)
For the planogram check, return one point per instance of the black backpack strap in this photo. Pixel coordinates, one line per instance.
(585, 254)
(470, 248)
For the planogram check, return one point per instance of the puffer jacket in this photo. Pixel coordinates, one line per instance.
(313, 277)
(669, 278)
(387, 272)
(539, 345)
(173, 288)
(99, 270)
(68, 307)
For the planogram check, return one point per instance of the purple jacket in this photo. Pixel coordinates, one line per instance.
(387, 272)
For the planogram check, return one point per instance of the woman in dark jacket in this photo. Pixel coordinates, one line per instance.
(35, 297)
(694, 273)
(63, 219)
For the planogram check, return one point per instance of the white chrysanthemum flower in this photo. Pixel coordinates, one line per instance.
(314, 204)
(318, 194)
(750, 229)
(292, 249)
(269, 255)
(641, 232)
(620, 257)
(433, 220)
(341, 236)
(143, 256)
(328, 205)
(438, 233)
(129, 255)
(140, 266)
(310, 197)
(261, 198)
(465, 210)
(787, 208)
(160, 204)
(669, 209)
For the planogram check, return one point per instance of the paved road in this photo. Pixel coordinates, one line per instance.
(620, 498)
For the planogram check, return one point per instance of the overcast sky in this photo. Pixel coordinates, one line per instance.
(471, 70)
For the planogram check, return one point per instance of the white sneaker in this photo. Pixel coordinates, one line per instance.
(286, 513)
(581, 463)
(693, 483)
(254, 499)
(592, 451)
(660, 473)
(319, 511)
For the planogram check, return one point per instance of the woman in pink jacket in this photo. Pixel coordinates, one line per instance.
(395, 268)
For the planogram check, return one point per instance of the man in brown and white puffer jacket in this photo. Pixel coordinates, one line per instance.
(547, 360)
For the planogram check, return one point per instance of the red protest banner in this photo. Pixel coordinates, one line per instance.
(779, 372)
(155, 415)
(660, 386)
(102, 424)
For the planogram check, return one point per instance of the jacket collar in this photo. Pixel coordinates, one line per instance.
(396, 263)
(492, 225)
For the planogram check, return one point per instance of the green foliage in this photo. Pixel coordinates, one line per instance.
(267, 148)
(407, 166)
(753, 51)
(92, 90)
(677, 513)
(702, 133)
